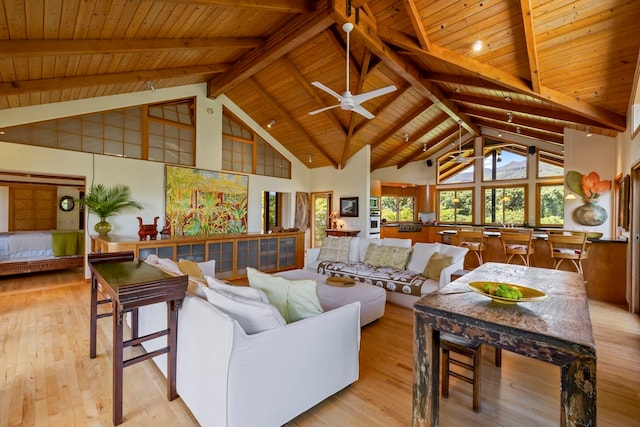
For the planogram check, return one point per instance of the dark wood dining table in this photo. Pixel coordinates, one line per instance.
(555, 330)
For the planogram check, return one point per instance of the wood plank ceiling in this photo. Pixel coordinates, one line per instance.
(546, 64)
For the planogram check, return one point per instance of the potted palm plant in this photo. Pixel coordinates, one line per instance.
(105, 202)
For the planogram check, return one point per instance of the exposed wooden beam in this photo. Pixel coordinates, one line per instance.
(366, 29)
(30, 48)
(462, 81)
(525, 109)
(542, 136)
(290, 6)
(605, 118)
(416, 23)
(530, 38)
(290, 120)
(295, 33)
(30, 86)
(517, 121)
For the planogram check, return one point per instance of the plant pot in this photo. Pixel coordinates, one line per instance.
(102, 227)
(590, 214)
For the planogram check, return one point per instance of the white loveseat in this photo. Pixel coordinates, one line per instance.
(420, 255)
(227, 377)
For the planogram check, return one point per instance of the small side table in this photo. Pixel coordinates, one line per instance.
(129, 284)
(338, 232)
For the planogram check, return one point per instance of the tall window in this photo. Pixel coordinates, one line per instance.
(169, 134)
(550, 164)
(550, 206)
(506, 205)
(504, 160)
(245, 151)
(455, 206)
(398, 203)
(456, 166)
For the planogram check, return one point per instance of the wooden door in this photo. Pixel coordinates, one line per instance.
(32, 207)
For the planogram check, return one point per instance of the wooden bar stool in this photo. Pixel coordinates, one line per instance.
(517, 241)
(568, 245)
(474, 239)
(471, 349)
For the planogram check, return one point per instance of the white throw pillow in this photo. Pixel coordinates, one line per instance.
(421, 254)
(335, 249)
(165, 264)
(208, 268)
(253, 316)
(295, 299)
(241, 291)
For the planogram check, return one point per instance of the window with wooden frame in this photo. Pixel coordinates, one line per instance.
(505, 205)
(550, 165)
(163, 132)
(504, 160)
(550, 204)
(455, 206)
(243, 150)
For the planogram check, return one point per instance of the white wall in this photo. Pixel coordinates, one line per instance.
(352, 181)
(145, 178)
(586, 154)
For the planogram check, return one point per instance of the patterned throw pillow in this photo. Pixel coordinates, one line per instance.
(387, 256)
(335, 249)
(436, 264)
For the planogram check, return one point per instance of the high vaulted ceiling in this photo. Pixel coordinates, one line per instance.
(544, 65)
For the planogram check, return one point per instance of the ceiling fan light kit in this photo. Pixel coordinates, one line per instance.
(348, 101)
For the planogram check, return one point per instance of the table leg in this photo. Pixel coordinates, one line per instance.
(118, 364)
(93, 317)
(172, 342)
(578, 393)
(426, 373)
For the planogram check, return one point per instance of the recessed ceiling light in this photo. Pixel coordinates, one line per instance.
(477, 46)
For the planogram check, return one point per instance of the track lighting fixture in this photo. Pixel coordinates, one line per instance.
(507, 98)
(150, 86)
(309, 158)
(589, 131)
(406, 137)
(518, 130)
(509, 117)
(424, 147)
(271, 123)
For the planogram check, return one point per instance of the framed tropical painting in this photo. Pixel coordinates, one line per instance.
(200, 202)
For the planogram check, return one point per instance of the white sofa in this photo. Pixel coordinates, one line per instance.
(229, 378)
(420, 255)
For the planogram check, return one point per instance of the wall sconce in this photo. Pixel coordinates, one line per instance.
(149, 84)
(271, 123)
(589, 131)
(406, 137)
(309, 158)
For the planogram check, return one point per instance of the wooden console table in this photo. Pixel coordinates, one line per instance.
(127, 285)
(556, 330)
(338, 232)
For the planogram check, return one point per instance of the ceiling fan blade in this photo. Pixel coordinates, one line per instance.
(323, 109)
(363, 112)
(358, 99)
(328, 90)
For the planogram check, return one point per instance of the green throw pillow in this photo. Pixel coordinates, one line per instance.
(294, 299)
(436, 264)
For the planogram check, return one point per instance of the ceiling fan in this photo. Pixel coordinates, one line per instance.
(459, 158)
(349, 102)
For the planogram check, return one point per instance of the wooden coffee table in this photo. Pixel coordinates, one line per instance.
(128, 285)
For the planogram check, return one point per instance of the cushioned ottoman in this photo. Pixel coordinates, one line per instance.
(372, 298)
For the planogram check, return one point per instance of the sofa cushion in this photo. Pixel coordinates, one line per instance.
(394, 241)
(387, 256)
(208, 268)
(420, 256)
(253, 316)
(335, 249)
(190, 268)
(436, 264)
(295, 299)
(241, 291)
(363, 246)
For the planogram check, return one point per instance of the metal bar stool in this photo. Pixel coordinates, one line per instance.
(568, 245)
(474, 239)
(471, 349)
(517, 241)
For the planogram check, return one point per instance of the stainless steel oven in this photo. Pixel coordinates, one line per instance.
(374, 224)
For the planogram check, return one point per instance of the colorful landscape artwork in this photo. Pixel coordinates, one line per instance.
(200, 202)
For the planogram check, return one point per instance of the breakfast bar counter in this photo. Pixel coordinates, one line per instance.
(555, 330)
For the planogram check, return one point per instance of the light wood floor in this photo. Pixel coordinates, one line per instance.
(48, 379)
